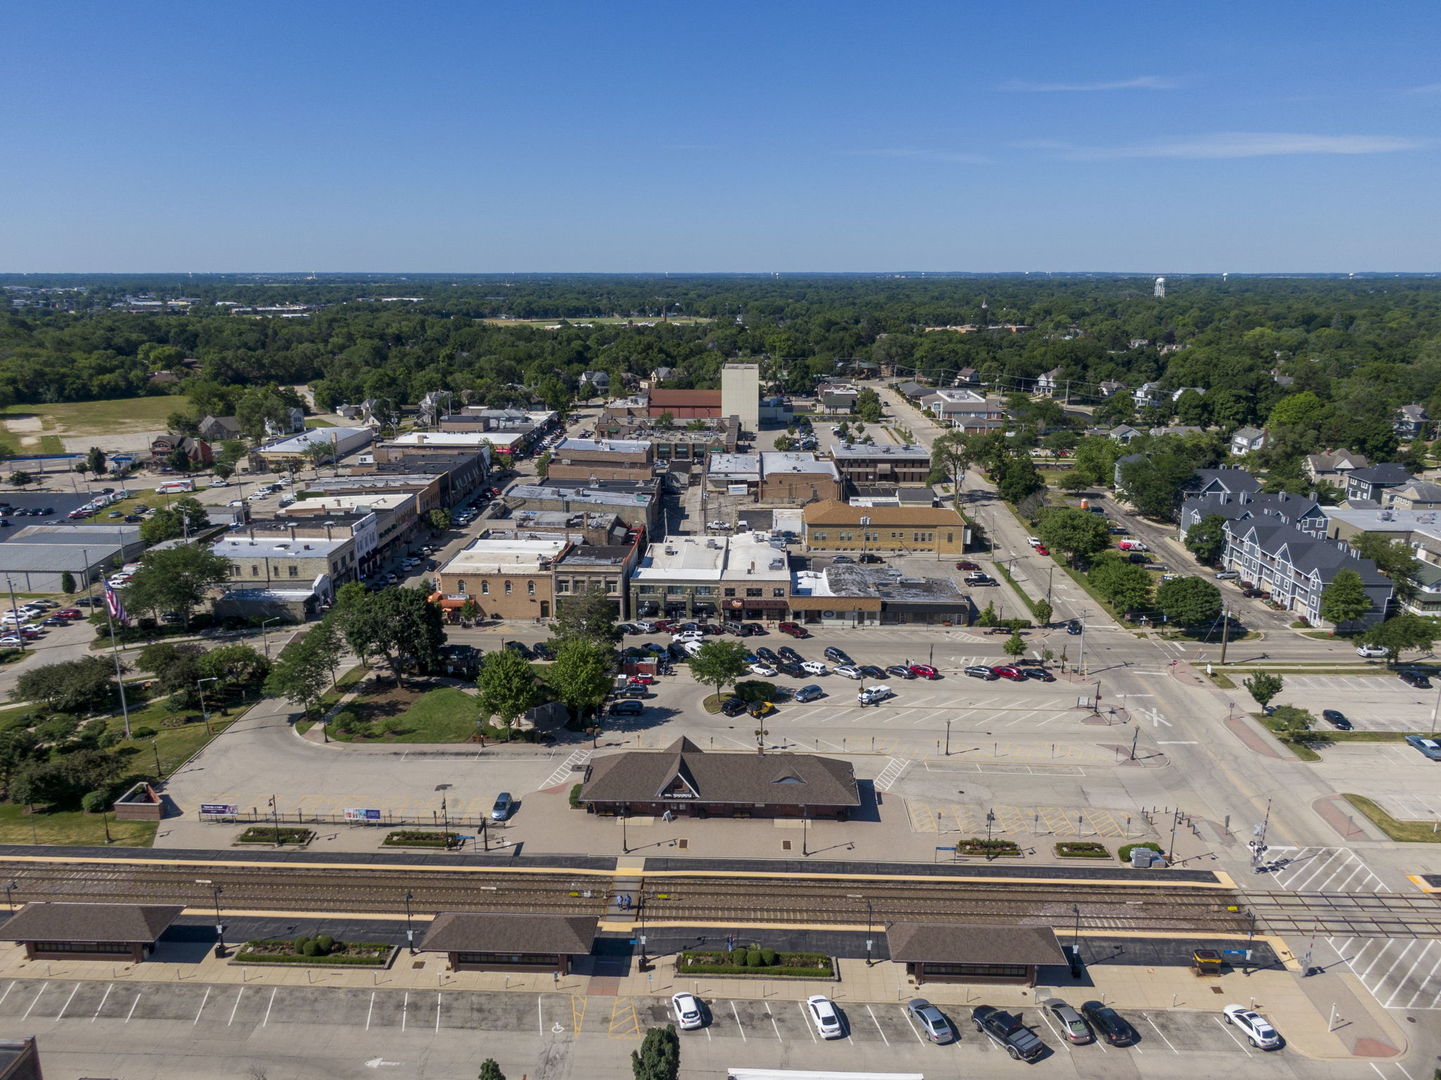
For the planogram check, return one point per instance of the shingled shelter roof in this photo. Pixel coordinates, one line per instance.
(129, 923)
(504, 934)
(972, 943)
(684, 771)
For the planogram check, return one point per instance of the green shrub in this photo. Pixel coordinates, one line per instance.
(768, 957)
(95, 802)
(312, 948)
(1125, 853)
(754, 690)
(753, 957)
(1082, 849)
(300, 944)
(326, 943)
(575, 797)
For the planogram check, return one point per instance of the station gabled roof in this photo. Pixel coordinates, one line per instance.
(972, 943)
(507, 934)
(129, 923)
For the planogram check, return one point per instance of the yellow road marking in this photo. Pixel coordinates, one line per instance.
(624, 1020)
(578, 1003)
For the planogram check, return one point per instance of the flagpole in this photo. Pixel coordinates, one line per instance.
(115, 649)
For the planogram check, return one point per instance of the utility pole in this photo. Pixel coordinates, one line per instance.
(1225, 631)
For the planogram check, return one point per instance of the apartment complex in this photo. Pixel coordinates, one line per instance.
(838, 527)
(907, 465)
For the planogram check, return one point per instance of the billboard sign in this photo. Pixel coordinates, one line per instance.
(364, 816)
(219, 809)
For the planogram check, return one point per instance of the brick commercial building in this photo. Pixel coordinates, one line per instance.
(688, 782)
(835, 526)
(678, 446)
(603, 459)
(848, 595)
(909, 465)
(739, 577)
(774, 477)
(606, 568)
(634, 502)
(684, 404)
(507, 579)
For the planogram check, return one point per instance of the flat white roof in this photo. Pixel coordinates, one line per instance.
(348, 504)
(746, 465)
(712, 558)
(504, 556)
(499, 439)
(601, 446)
(795, 461)
(305, 547)
(296, 444)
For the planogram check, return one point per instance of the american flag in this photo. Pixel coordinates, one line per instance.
(113, 604)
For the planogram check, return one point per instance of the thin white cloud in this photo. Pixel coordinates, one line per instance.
(1426, 88)
(918, 154)
(1141, 82)
(1247, 144)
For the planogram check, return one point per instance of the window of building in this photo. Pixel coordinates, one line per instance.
(730, 592)
(753, 592)
(460, 586)
(294, 571)
(704, 590)
(818, 534)
(507, 588)
(778, 592)
(485, 588)
(254, 570)
(562, 587)
(530, 588)
(612, 586)
(646, 590)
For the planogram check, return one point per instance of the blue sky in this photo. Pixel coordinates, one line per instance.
(742, 136)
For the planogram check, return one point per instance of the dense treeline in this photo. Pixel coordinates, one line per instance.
(1360, 346)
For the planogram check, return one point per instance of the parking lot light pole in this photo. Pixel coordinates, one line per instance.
(204, 712)
(265, 634)
(870, 923)
(409, 929)
(216, 890)
(948, 738)
(10, 894)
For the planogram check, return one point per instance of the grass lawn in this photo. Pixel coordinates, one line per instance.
(70, 827)
(444, 715)
(117, 416)
(330, 697)
(51, 444)
(175, 745)
(1415, 832)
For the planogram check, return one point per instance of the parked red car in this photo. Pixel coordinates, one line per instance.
(925, 671)
(1005, 671)
(966, 564)
(69, 613)
(795, 630)
(1041, 549)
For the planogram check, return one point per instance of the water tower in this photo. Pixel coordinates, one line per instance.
(1160, 288)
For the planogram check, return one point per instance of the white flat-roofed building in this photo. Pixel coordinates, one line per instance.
(296, 450)
(737, 577)
(500, 440)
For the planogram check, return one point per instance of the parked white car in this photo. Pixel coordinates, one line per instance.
(1257, 1029)
(1373, 652)
(687, 1011)
(815, 667)
(874, 695)
(687, 635)
(823, 1014)
(763, 670)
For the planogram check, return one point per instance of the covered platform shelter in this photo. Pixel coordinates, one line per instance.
(688, 781)
(973, 952)
(487, 941)
(77, 931)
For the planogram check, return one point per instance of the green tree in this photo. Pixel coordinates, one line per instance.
(717, 663)
(1399, 633)
(1263, 686)
(1292, 720)
(659, 1055)
(67, 581)
(542, 463)
(1393, 558)
(869, 407)
(506, 686)
(1124, 585)
(1015, 645)
(1095, 459)
(399, 625)
(20, 478)
(73, 686)
(175, 579)
(1019, 478)
(61, 782)
(239, 665)
(183, 517)
(581, 674)
(95, 460)
(1153, 484)
(1189, 601)
(17, 746)
(223, 470)
(469, 610)
(176, 667)
(1207, 539)
(1345, 599)
(439, 519)
(489, 1070)
(951, 456)
(1073, 483)
(1079, 533)
(300, 673)
(1043, 612)
(589, 615)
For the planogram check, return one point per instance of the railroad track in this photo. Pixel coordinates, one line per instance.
(732, 899)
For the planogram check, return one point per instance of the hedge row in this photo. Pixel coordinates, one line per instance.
(779, 971)
(1082, 850)
(336, 961)
(266, 834)
(987, 847)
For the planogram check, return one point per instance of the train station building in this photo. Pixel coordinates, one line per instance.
(68, 931)
(688, 782)
(973, 952)
(488, 941)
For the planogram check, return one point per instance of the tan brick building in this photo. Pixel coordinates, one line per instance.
(836, 526)
(601, 459)
(507, 579)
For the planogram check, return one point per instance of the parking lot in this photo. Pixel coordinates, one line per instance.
(400, 1027)
(1380, 702)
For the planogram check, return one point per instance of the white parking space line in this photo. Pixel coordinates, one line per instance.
(61, 1014)
(1059, 1037)
(235, 1007)
(370, 1011)
(438, 998)
(405, 1010)
(1232, 1035)
(7, 992)
(878, 1026)
(202, 1007)
(777, 1027)
(906, 1016)
(741, 1027)
(134, 1003)
(35, 1002)
(539, 1015)
(103, 1000)
(271, 1002)
(1161, 1033)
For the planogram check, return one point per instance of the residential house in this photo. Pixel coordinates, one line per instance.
(1296, 568)
(1411, 422)
(1121, 463)
(1229, 481)
(912, 391)
(594, 382)
(217, 429)
(967, 376)
(196, 451)
(1110, 388)
(1418, 495)
(1369, 483)
(1049, 382)
(661, 374)
(1301, 512)
(1147, 395)
(1333, 466)
(1247, 440)
(1123, 434)
(291, 420)
(835, 526)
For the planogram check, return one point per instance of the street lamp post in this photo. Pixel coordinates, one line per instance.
(624, 844)
(870, 923)
(204, 712)
(10, 894)
(1076, 944)
(948, 738)
(409, 929)
(155, 745)
(265, 634)
(216, 890)
(275, 816)
(805, 833)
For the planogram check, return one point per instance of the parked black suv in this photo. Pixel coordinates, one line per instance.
(837, 656)
(1007, 1032)
(1108, 1024)
(733, 706)
(1414, 678)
